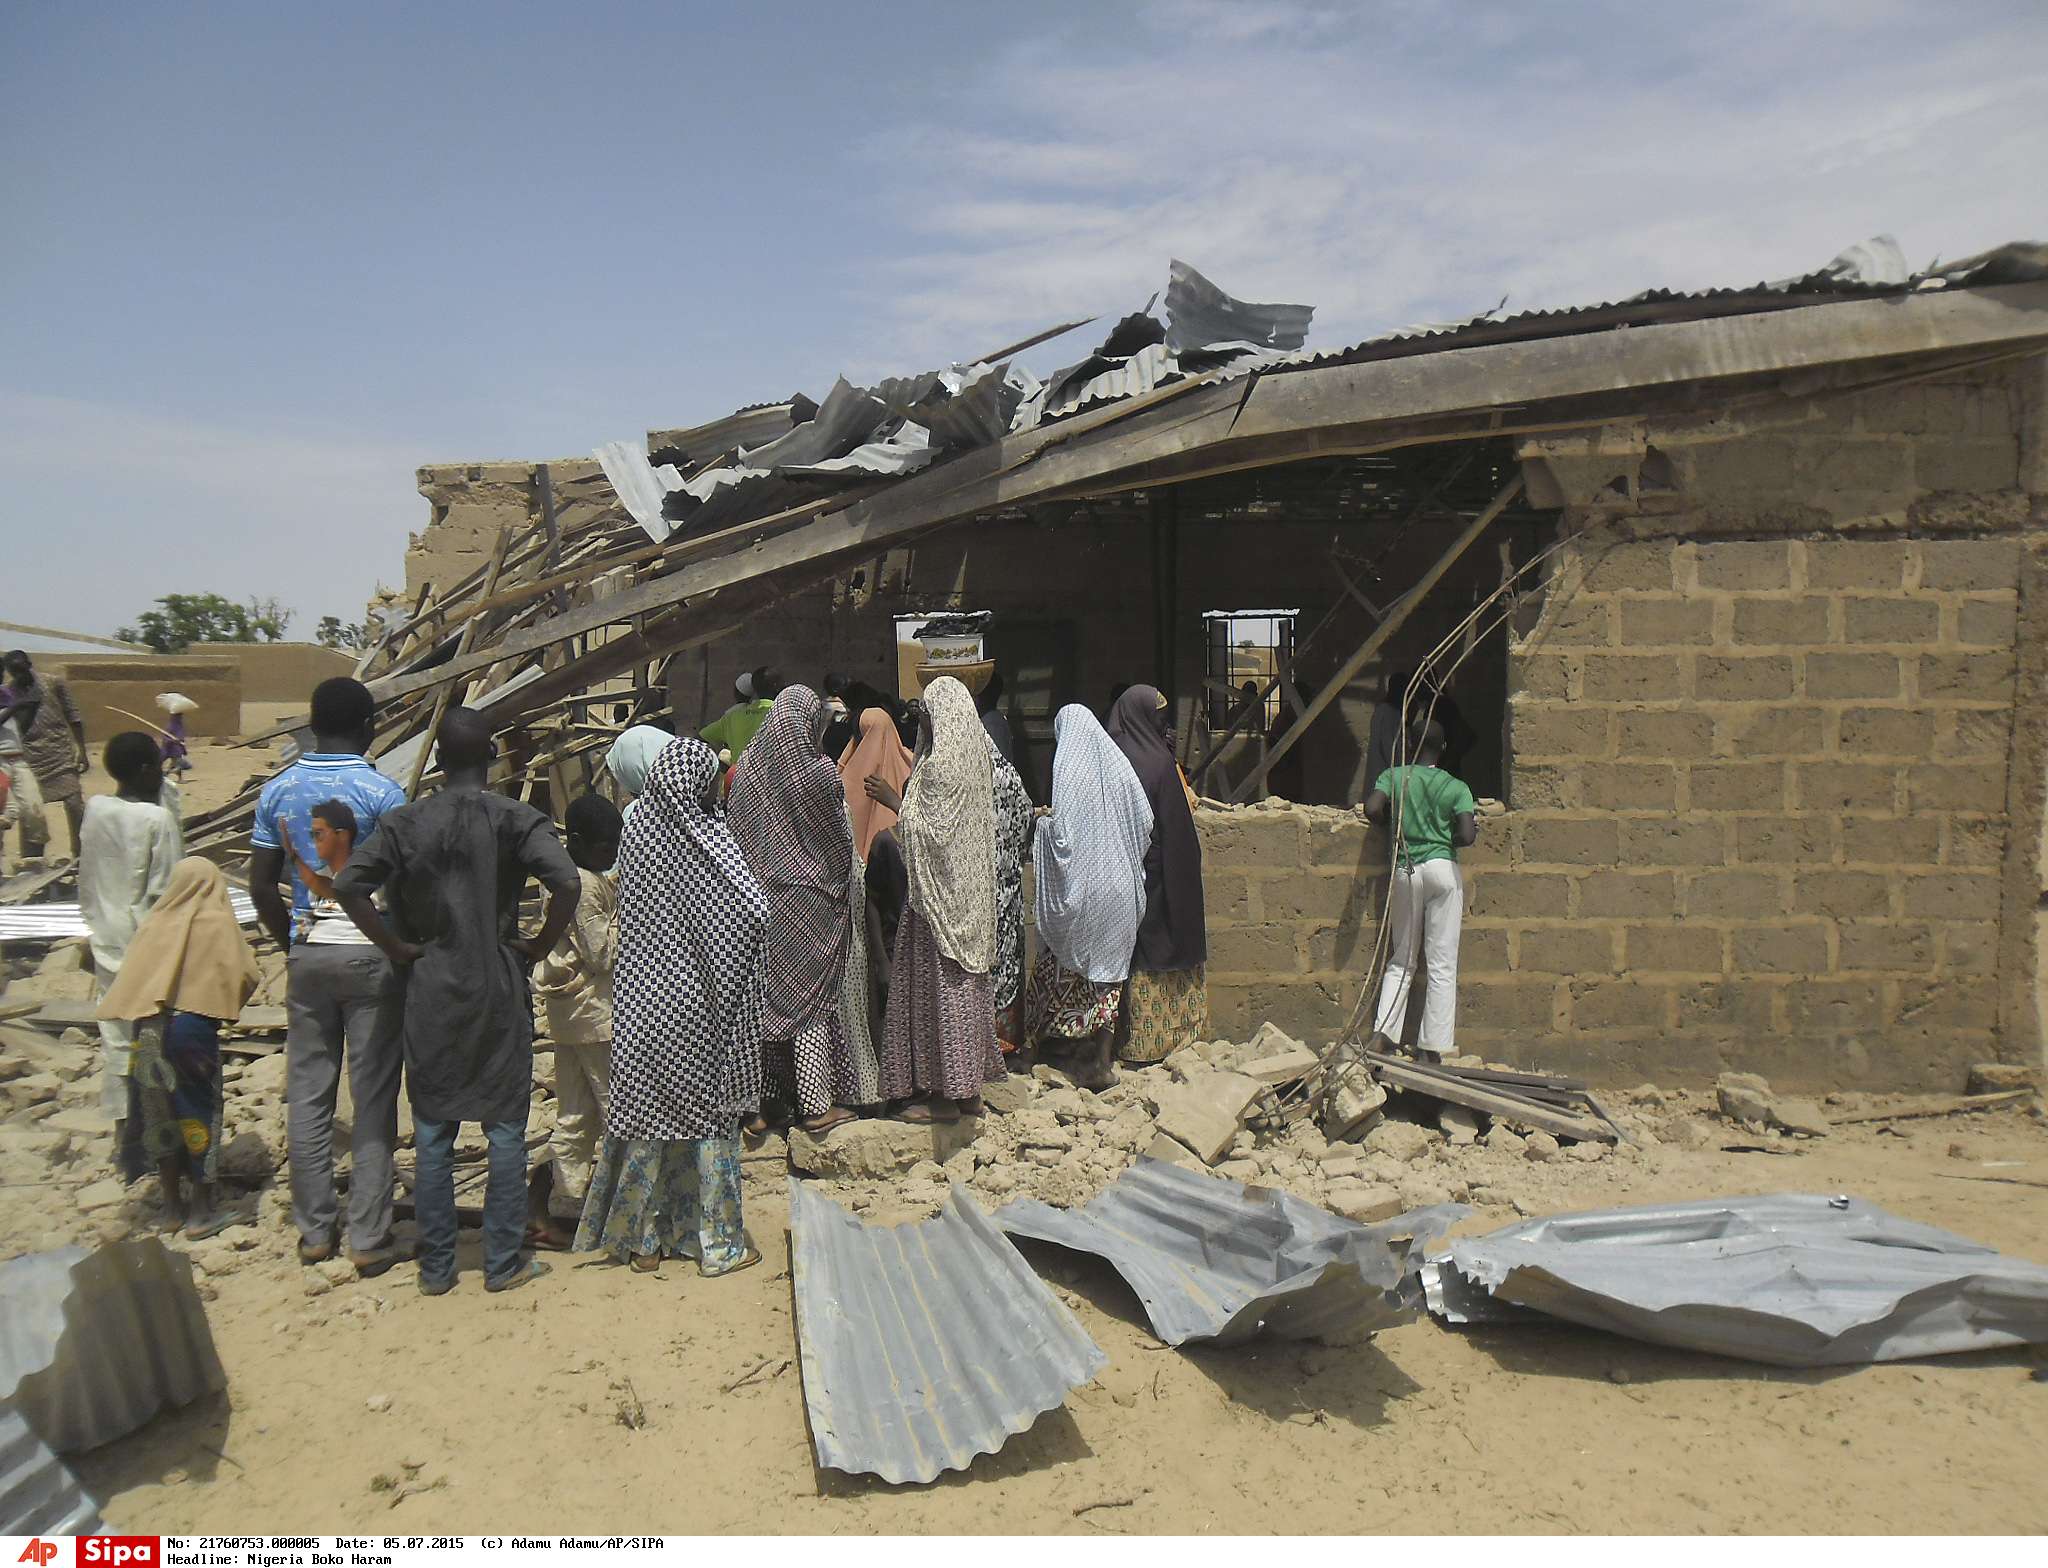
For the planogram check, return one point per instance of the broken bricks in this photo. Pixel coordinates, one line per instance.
(1206, 1112)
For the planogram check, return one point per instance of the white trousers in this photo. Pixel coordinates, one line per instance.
(1426, 910)
(583, 1088)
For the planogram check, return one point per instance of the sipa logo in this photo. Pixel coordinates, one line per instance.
(38, 1551)
(120, 1551)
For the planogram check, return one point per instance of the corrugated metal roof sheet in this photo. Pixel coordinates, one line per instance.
(1198, 314)
(1790, 1279)
(54, 922)
(93, 1344)
(38, 1495)
(924, 1345)
(1214, 1260)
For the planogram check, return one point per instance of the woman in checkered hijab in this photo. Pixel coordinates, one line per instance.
(939, 1041)
(686, 1029)
(788, 811)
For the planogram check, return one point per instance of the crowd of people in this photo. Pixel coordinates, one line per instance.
(808, 912)
(811, 911)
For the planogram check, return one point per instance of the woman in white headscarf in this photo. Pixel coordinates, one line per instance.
(631, 755)
(1089, 868)
(939, 1040)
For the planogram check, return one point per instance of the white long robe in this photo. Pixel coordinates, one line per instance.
(127, 849)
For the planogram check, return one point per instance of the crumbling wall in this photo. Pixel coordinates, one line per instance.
(473, 502)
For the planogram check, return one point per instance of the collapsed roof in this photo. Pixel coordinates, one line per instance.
(712, 525)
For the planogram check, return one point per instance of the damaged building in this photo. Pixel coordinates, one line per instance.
(1742, 597)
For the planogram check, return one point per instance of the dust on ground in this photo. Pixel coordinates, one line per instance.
(600, 1401)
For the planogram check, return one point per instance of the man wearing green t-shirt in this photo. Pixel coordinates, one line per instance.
(1431, 815)
(730, 733)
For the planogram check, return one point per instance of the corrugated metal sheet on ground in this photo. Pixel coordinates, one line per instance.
(924, 1345)
(38, 1495)
(54, 922)
(93, 1344)
(1217, 1261)
(1790, 1279)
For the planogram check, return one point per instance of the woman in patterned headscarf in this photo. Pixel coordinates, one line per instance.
(939, 1042)
(788, 811)
(1014, 822)
(686, 1029)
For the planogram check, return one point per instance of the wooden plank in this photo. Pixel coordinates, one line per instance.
(1494, 1102)
(21, 888)
(1488, 1074)
(97, 642)
(60, 1013)
(447, 692)
(1946, 1106)
(1397, 616)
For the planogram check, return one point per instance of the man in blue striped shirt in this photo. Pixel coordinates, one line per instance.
(341, 992)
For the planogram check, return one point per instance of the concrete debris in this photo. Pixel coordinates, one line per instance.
(1402, 1141)
(1366, 1202)
(2002, 1077)
(1744, 1097)
(877, 1148)
(1747, 1100)
(1207, 1111)
(1459, 1125)
(1285, 1068)
(1540, 1146)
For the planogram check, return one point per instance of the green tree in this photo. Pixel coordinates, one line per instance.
(334, 632)
(178, 620)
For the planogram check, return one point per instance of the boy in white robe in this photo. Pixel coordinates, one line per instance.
(128, 844)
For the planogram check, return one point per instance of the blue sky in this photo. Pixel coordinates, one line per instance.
(265, 259)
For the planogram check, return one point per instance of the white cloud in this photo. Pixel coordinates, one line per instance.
(1396, 162)
(112, 507)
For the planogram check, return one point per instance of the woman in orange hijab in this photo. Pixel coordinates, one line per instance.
(876, 753)
(188, 971)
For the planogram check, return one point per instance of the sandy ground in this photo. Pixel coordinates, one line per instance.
(508, 1407)
(364, 1406)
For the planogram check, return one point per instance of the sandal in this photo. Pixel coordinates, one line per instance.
(199, 1228)
(545, 1238)
(753, 1256)
(818, 1126)
(923, 1113)
(644, 1262)
(529, 1271)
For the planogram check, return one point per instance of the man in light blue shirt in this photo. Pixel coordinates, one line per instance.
(339, 990)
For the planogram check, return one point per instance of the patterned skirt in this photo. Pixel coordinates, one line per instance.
(669, 1197)
(940, 1035)
(1162, 1013)
(175, 1068)
(1062, 1005)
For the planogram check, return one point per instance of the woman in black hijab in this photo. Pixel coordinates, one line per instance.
(1167, 1001)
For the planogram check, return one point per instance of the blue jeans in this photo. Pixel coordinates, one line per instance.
(433, 1197)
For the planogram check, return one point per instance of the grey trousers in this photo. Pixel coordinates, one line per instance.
(336, 994)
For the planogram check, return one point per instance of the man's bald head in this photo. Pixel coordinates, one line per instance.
(464, 743)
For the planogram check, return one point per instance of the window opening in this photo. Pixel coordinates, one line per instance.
(1245, 646)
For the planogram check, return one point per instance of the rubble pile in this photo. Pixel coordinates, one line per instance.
(1239, 1110)
(1210, 1107)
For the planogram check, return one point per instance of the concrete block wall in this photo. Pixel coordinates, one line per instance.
(1776, 795)
(1759, 801)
